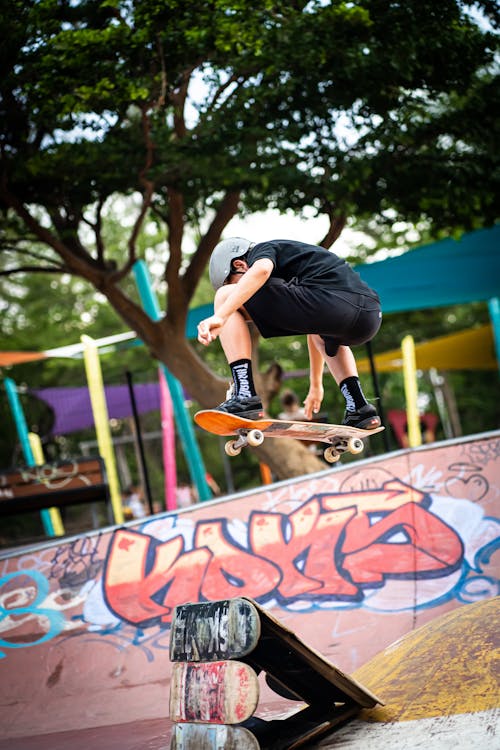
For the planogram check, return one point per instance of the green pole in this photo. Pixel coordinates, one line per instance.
(23, 434)
(184, 425)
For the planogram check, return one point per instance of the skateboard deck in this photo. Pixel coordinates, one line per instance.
(340, 439)
(211, 631)
(220, 692)
(292, 668)
(212, 737)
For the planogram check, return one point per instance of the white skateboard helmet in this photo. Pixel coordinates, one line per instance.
(222, 256)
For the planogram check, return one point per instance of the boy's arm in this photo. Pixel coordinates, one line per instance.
(312, 402)
(250, 282)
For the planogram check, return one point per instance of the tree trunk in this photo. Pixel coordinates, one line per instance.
(287, 457)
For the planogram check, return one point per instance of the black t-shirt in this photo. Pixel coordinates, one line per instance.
(311, 265)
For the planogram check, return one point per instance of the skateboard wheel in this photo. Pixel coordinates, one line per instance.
(331, 455)
(355, 445)
(255, 437)
(231, 449)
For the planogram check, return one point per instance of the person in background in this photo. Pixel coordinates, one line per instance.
(292, 410)
(133, 505)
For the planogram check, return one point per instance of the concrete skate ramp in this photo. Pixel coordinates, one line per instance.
(351, 559)
(440, 684)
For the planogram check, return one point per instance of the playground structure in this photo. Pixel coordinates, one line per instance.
(350, 559)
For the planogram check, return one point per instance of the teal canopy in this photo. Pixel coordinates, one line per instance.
(448, 272)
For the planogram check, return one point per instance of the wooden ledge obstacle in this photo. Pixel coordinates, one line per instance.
(219, 648)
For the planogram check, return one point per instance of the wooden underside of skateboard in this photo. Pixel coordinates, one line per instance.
(212, 737)
(216, 692)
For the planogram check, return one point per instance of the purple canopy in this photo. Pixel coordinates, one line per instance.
(73, 410)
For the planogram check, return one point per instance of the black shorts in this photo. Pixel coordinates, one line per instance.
(283, 308)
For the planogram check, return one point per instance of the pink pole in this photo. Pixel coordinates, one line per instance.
(168, 431)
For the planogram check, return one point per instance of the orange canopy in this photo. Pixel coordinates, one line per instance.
(17, 358)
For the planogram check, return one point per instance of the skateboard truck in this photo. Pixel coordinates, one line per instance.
(333, 452)
(208, 635)
(245, 437)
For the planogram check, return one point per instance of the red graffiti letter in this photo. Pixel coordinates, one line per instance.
(129, 588)
(233, 571)
(321, 562)
(267, 539)
(373, 551)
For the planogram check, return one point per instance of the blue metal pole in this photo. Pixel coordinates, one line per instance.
(184, 425)
(23, 434)
(494, 308)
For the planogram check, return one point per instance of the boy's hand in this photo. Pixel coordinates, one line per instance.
(312, 402)
(209, 329)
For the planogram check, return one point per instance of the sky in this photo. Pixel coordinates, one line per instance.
(268, 225)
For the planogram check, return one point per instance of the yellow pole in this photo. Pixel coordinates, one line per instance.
(411, 391)
(101, 421)
(37, 450)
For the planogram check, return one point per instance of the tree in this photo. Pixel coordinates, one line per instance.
(204, 109)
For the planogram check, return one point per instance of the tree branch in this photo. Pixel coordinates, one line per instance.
(177, 303)
(98, 230)
(337, 224)
(163, 88)
(66, 224)
(84, 266)
(223, 87)
(146, 199)
(96, 226)
(228, 208)
(33, 269)
(178, 99)
(31, 254)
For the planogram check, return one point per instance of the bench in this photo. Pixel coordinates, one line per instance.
(54, 485)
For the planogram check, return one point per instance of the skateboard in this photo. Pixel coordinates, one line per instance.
(340, 439)
(216, 692)
(293, 669)
(211, 631)
(209, 736)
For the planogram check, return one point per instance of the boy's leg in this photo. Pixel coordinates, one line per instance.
(237, 345)
(358, 413)
(234, 336)
(342, 365)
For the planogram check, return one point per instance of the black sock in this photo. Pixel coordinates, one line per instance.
(353, 394)
(241, 370)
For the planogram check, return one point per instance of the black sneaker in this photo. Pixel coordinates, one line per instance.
(365, 418)
(249, 408)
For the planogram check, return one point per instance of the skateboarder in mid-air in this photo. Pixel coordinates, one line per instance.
(288, 288)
